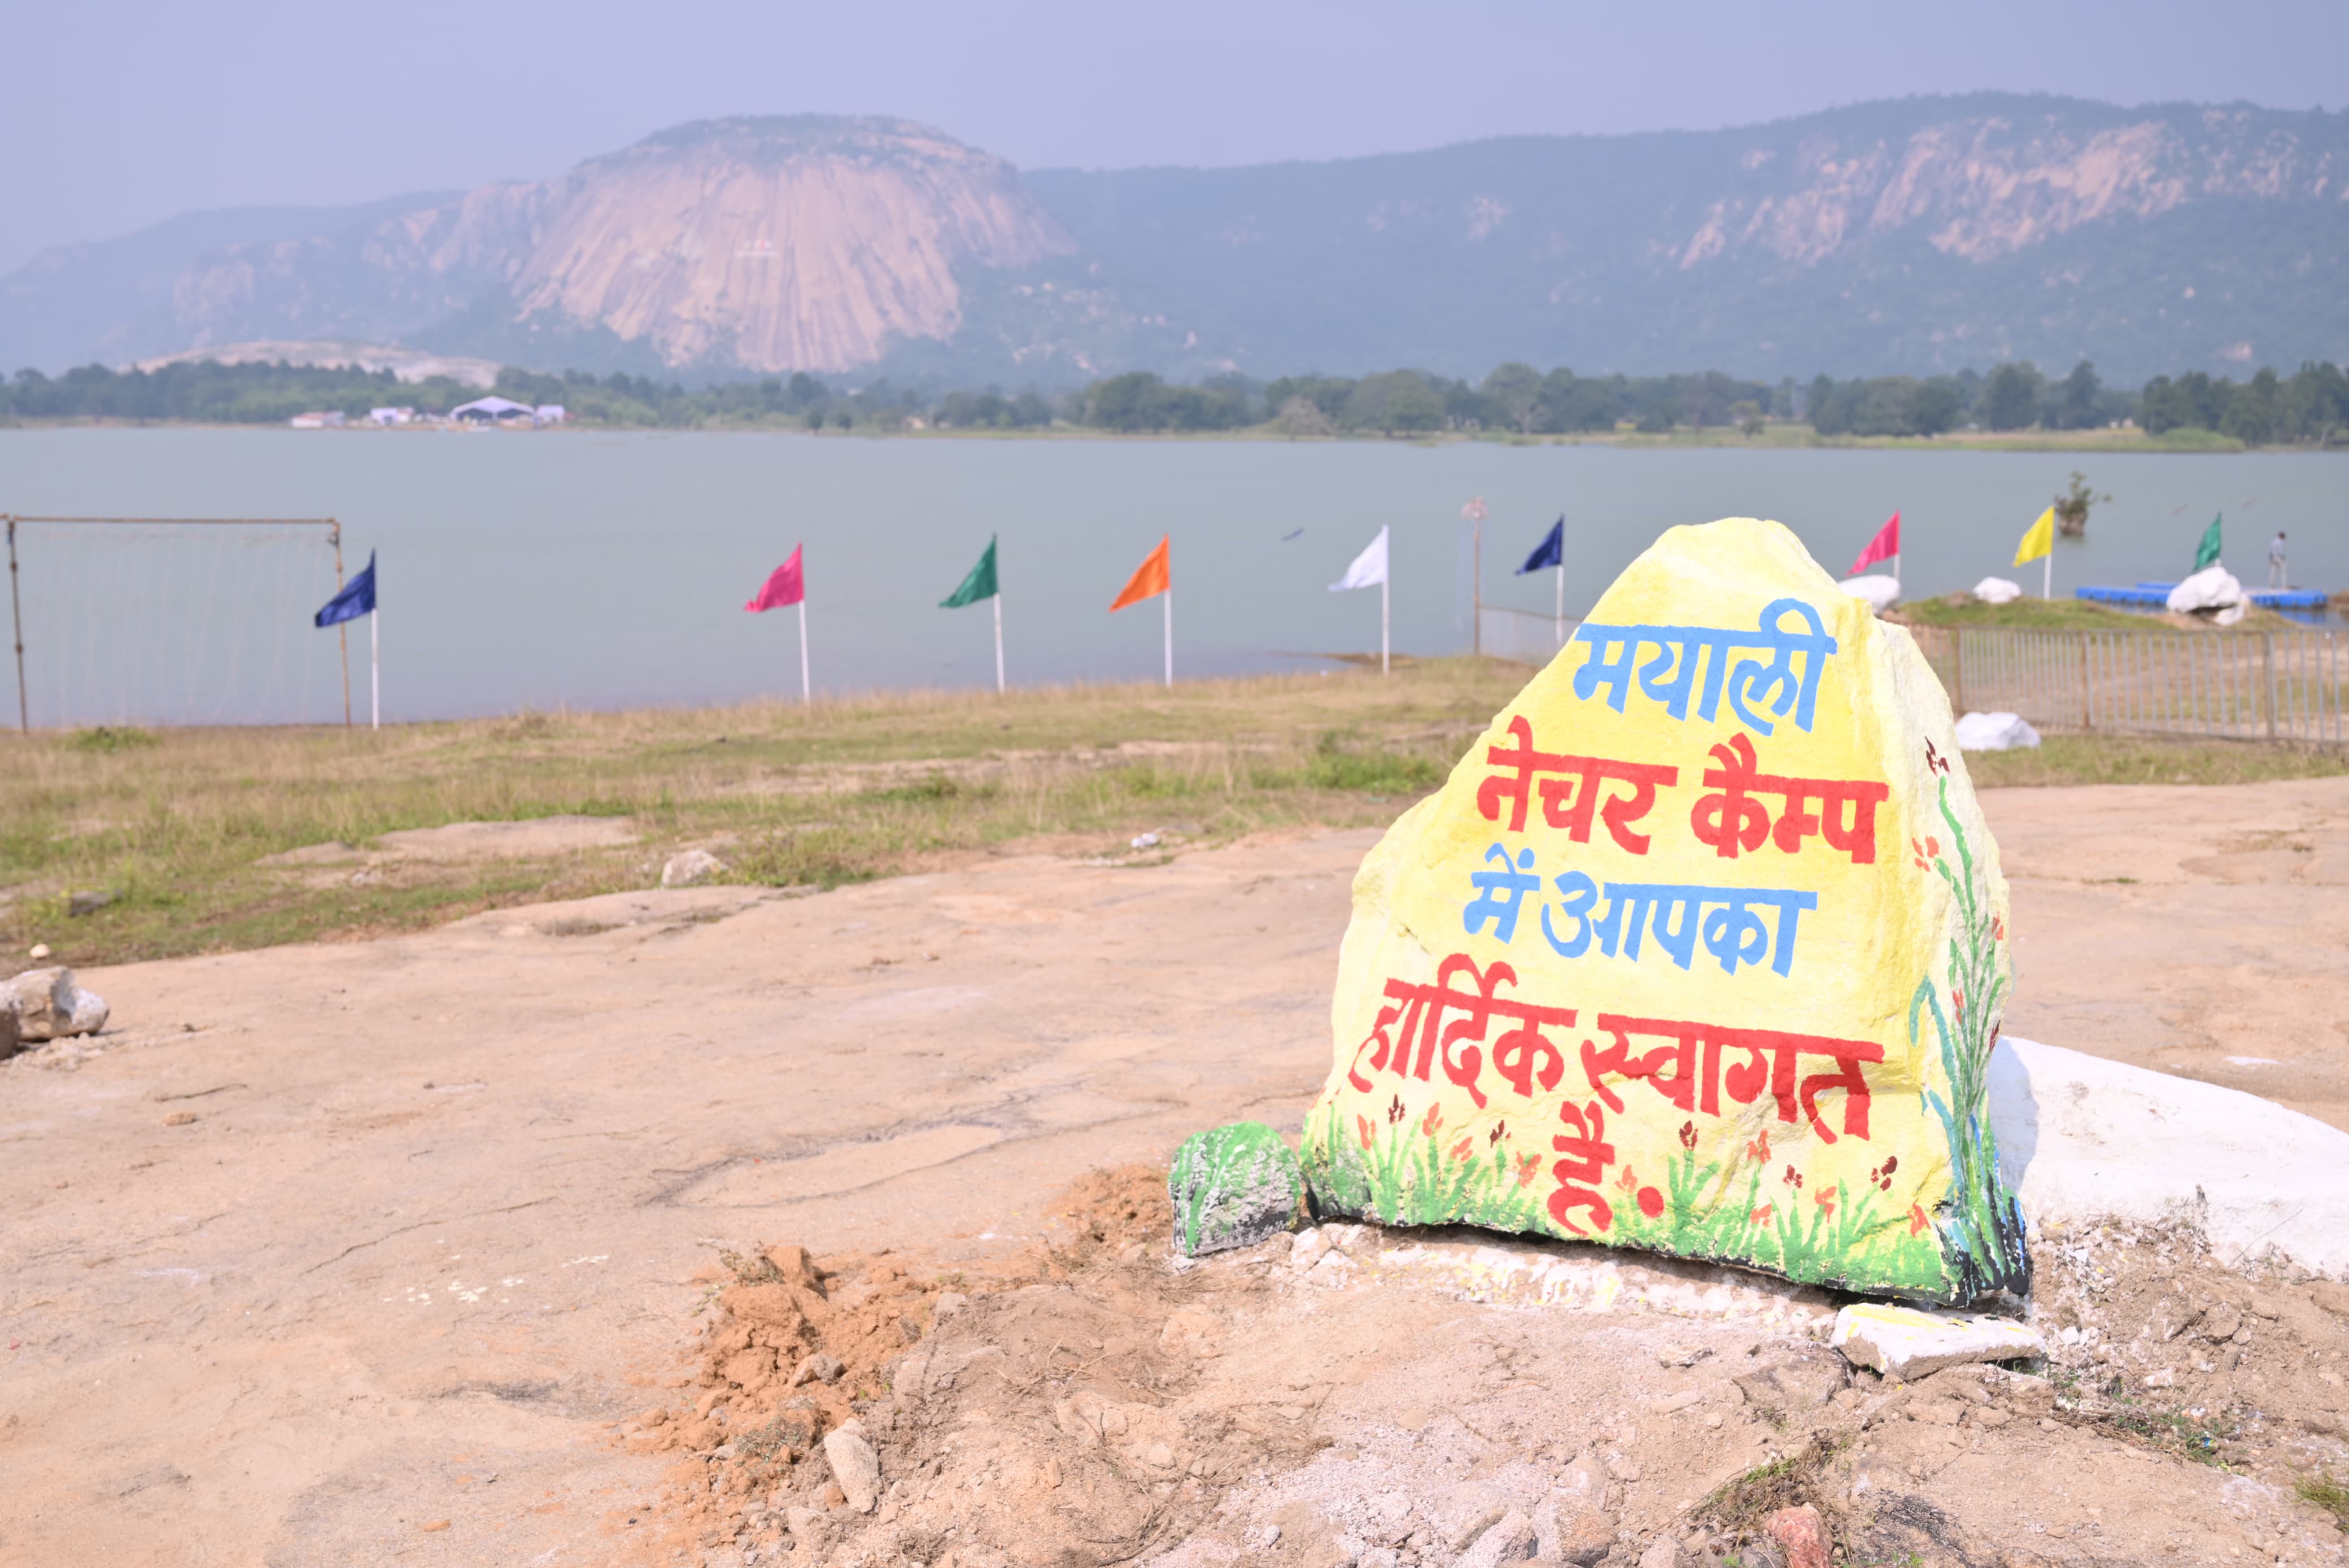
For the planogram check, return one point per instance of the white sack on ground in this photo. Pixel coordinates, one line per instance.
(2081, 1138)
(1879, 592)
(1997, 591)
(2212, 588)
(1996, 732)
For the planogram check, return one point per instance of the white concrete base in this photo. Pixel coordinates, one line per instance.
(1903, 1343)
(2081, 1139)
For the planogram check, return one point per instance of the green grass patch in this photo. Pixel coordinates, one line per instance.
(1738, 1506)
(2328, 1494)
(2030, 612)
(105, 737)
(2062, 759)
(2197, 1437)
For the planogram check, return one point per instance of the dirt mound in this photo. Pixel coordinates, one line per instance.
(1123, 1213)
(1389, 1398)
(798, 1347)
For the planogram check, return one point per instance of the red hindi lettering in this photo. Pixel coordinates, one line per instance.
(1732, 820)
(1524, 1058)
(1679, 1088)
(1744, 1080)
(1462, 1068)
(1411, 1035)
(1586, 1156)
(1517, 791)
(1697, 1078)
(1578, 795)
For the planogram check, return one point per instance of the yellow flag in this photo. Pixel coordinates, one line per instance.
(2040, 541)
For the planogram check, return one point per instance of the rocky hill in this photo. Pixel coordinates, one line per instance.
(762, 244)
(1920, 236)
(1929, 233)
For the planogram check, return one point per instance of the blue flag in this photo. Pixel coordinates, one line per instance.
(356, 599)
(1550, 552)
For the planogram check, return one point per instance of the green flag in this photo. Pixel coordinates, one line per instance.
(979, 584)
(2205, 554)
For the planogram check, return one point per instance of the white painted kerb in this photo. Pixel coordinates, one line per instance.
(2081, 1138)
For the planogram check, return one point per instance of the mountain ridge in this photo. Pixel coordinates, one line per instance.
(1915, 235)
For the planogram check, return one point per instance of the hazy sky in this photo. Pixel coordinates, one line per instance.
(112, 116)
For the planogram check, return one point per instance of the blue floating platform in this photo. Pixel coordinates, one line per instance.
(2155, 595)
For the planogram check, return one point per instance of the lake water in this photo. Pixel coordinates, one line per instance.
(598, 570)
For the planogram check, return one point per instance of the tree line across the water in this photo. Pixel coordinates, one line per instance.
(2309, 406)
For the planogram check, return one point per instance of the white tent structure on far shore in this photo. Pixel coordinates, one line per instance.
(482, 410)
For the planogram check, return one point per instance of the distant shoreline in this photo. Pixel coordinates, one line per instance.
(1779, 438)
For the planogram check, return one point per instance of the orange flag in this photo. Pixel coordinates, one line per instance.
(1150, 579)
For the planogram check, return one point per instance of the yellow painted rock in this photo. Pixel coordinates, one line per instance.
(1701, 949)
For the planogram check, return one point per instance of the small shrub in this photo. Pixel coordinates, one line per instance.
(107, 739)
(2328, 1494)
(1334, 765)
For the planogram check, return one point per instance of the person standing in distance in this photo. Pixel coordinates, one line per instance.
(2275, 562)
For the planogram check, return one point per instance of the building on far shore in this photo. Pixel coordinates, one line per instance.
(331, 420)
(391, 416)
(491, 410)
(548, 414)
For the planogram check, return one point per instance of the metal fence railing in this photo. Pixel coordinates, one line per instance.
(2243, 685)
(1521, 636)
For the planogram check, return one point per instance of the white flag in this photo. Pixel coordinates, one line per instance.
(1370, 568)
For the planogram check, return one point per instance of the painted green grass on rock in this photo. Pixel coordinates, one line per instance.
(1233, 1186)
(1403, 1169)
(1980, 1221)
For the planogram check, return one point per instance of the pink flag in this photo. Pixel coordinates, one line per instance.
(786, 587)
(1883, 547)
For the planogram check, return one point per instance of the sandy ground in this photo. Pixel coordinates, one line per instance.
(385, 1251)
(2201, 931)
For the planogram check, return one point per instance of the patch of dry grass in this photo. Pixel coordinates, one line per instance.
(173, 824)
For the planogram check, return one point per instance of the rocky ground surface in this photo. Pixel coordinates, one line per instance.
(387, 1252)
(1355, 1396)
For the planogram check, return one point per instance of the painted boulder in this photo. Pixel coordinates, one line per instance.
(1233, 1186)
(1701, 949)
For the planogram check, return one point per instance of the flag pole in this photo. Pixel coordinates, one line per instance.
(998, 642)
(1383, 626)
(2047, 575)
(1167, 604)
(1476, 584)
(15, 621)
(375, 672)
(16, 626)
(342, 633)
(804, 697)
